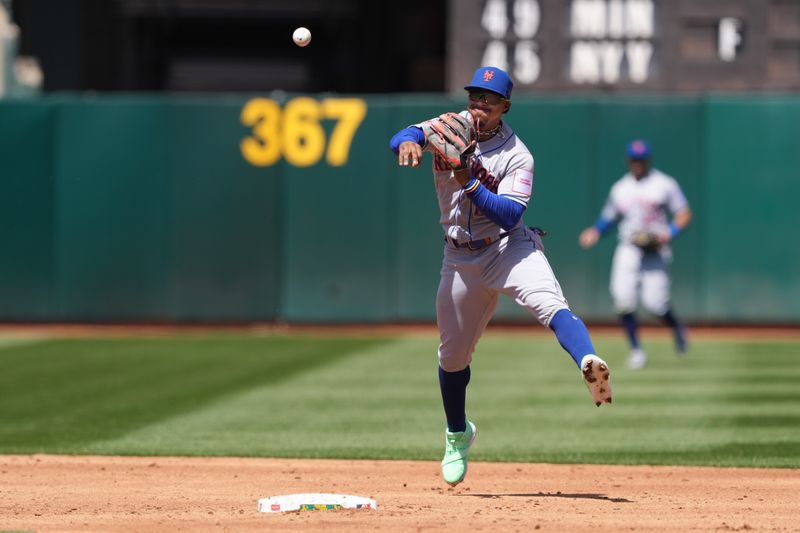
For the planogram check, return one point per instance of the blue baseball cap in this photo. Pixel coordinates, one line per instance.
(638, 149)
(491, 79)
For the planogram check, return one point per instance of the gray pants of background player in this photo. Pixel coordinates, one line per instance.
(634, 271)
(471, 282)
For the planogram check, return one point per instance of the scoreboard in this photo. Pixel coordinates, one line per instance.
(628, 45)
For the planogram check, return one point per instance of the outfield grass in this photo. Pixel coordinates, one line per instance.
(729, 402)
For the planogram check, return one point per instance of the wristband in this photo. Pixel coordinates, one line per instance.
(602, 225)
(674, 230)
(472, 185)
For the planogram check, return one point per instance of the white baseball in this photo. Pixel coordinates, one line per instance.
(301, 36)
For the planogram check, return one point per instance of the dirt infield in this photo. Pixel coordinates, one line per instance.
(80, 493)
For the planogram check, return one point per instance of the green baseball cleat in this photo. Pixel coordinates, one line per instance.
(457, 444)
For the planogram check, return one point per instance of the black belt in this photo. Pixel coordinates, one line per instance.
(483, 243)
(478, 244)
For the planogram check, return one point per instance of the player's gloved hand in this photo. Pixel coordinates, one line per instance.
(647, 241)
(453, 138)
(409, 151)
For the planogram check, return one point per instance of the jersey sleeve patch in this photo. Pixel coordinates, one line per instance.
(522, 182)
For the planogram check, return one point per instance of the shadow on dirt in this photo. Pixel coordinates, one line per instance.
(574, 496)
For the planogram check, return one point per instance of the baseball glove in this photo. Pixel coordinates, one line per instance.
(646, 241)
(452, 137)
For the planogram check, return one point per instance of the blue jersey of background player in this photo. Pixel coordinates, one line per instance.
(488, 251)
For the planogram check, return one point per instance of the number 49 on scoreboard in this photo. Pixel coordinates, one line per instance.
(522, 22)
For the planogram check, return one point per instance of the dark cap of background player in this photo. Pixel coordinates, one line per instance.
(638, 150)
(491, 79)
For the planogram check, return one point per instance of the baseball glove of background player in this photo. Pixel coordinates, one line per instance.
(452, 137)
(646, 241)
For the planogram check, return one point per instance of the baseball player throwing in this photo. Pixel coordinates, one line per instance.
(641, 202)
(483, 175)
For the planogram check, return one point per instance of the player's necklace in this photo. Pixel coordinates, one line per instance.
(486, 135)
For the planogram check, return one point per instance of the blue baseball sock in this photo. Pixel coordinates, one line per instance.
(572, 334)
(671, 320)
(454, 397)
(631, 328)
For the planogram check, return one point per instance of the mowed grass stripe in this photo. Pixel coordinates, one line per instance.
(681, 411)
(59, 395)
(725, 403)
(382, 401)
(13, 341)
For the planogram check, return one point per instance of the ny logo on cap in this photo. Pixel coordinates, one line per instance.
(488, 75)
(638, 147)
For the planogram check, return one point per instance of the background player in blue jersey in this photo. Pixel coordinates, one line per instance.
(641, 202)
(488, 251)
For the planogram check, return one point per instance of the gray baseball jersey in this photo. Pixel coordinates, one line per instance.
(504, 165)
(643, 205)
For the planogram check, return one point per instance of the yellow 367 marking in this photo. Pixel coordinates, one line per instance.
(296, 133)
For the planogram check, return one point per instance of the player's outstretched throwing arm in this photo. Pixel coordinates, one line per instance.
(408, 145)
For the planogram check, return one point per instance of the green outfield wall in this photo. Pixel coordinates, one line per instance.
(255, 208)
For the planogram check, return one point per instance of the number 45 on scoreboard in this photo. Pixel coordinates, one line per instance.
(295, 132)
